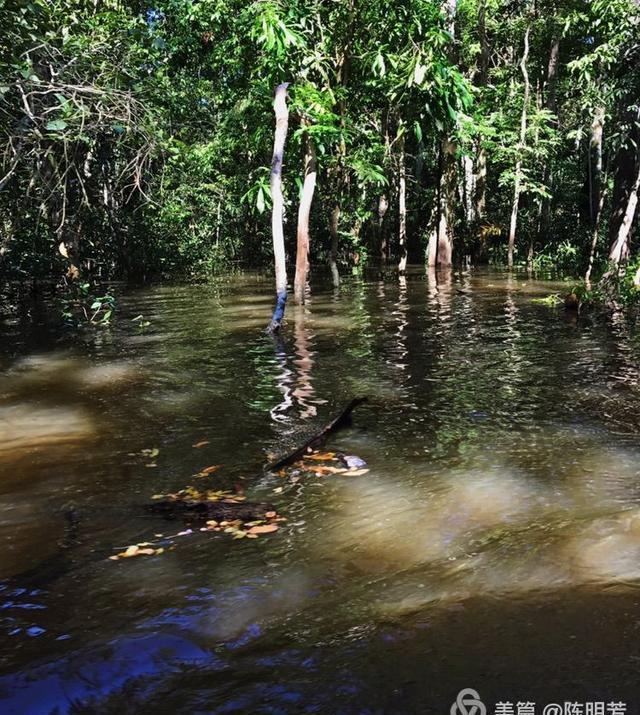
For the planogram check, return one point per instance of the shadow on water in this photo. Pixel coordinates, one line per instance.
(494, 543)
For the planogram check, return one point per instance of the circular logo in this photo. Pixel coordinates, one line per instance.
(468, 703)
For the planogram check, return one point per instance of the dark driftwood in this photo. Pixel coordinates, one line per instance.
(317, 439)
(218, 510)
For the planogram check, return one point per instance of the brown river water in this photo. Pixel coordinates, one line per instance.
(494, 543)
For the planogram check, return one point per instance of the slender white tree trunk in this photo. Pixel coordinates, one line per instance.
(597, 188)
(282, 121)
(334, 223)
(304, 211)
(402, 207)
(521, 146)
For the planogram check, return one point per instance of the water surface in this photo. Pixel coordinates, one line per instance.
(494, 543)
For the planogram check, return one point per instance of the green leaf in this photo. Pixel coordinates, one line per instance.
(56, 125)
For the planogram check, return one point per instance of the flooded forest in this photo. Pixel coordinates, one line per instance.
(319, 357)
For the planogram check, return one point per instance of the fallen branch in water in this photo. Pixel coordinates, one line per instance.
(313, 442)
(218, 510)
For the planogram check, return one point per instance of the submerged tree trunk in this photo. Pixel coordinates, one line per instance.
(282, 121)
(521, 146)
(304, 211)
(402, 207)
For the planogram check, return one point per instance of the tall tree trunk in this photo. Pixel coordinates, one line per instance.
(594, 240)
(402, 206)
(334, 222)
(304, 211)
(625, 167)
(480, 180)
(468, 191)
(595, 164)
(446, 203)
(521, 147)
(341, 75)
(282, 121)
(448, 165)
(552, 105)
(620, 249)
(383, 205)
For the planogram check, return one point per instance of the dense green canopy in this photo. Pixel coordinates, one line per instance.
(136, 138)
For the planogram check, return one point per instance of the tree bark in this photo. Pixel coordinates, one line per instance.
(625, 167)
(594, 240)
(402, 207)
(447, 196)
(282, 121)
(468, 190)
(334, 222)
(552, 105)
(480, 180)
(383, 205)
(304, 211)
(448, 182)
(620, 248)
(521, 147)
(595, 164)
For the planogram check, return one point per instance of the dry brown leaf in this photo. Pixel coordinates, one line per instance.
(264, 529)
(200, 444)
(210, 470)
(322, 456)
(319, 470)
(356, 472)
(270, 514)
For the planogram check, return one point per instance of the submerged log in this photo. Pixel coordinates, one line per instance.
(318, 438)
(184, 505)
(218, 510)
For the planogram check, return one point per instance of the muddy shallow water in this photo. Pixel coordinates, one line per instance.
(494, 543)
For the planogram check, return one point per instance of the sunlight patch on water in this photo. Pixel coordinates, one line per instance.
(23, 427)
